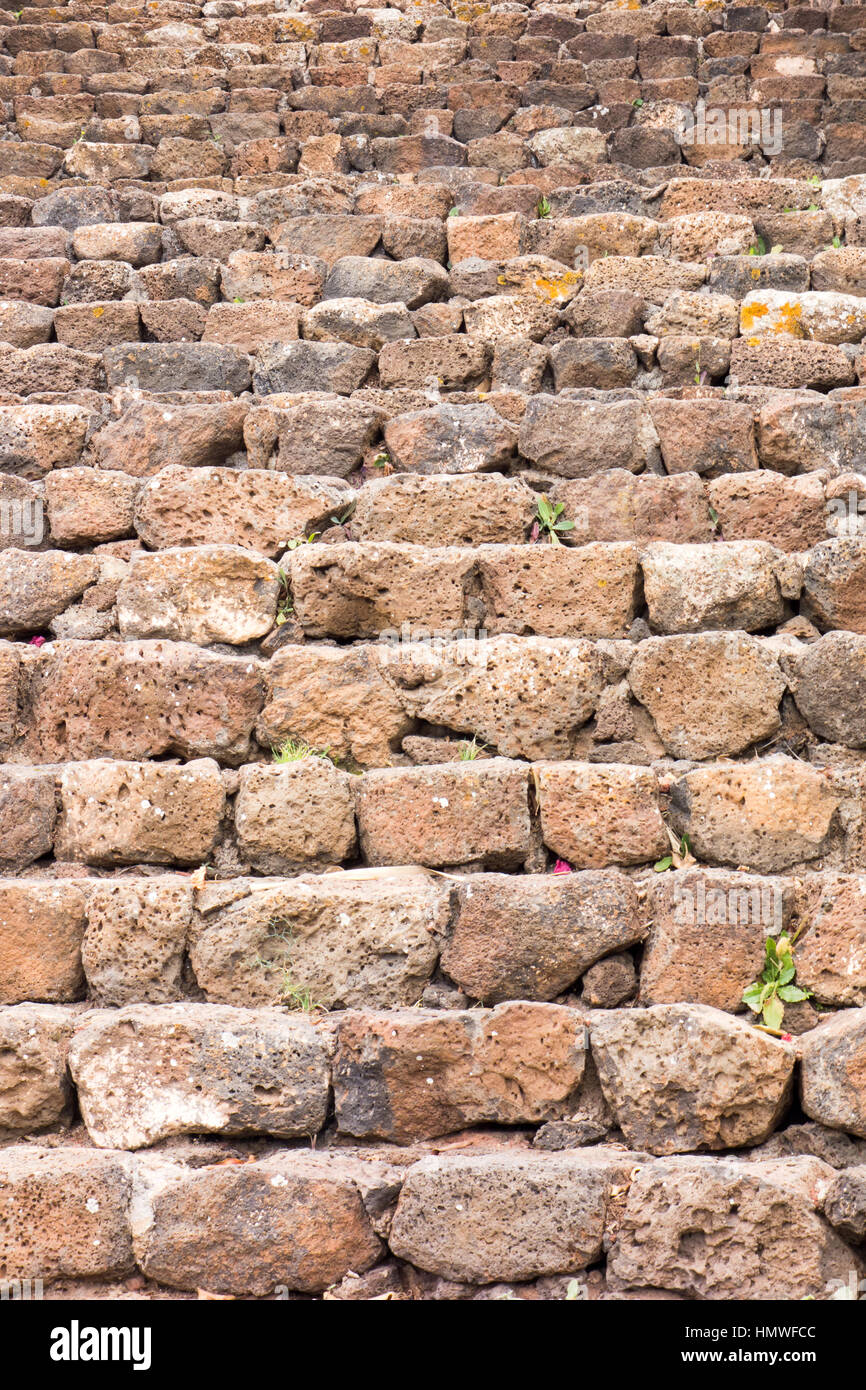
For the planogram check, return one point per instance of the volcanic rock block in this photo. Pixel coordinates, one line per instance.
(214, 593)
(834, 585)
(358, 322)
(710, 436)
(144, 1073)
(681, 1077)
(708, 696)
(826, 680)
(135, 939)
(41, 930)
(314, 434)
(714, 1229)
(447, 362)
(295, 816)
(139, 813)
(302, 366)
(446, 814)
(709, 928)
(150, 435)
(35, 1092)
(733, 584)
(831, 955)
(789, 513)
(35, 587)
(531, 936)
(346, 940)
(413, 1074)
(28, 811)
(245, 326)
(450, 439)
(446, 509)
(577, 438)
(595, 814)
(294, 1219)
(177, 367)
(86, 505)
(617, 506)
(76, 1203)
(482, 1218)
(763, 815)
(586, 591)
(831, 1078)
(412, 282)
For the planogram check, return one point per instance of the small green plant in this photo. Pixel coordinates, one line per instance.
(383, 460)
(638, 102)
(237, 300)
(550, 521)
(816, 178)
(292, 995)
(714, 519)
(759, 248)
(470, 751)
(777, 249)
(285, 601)
(542, 207)
(455, 212)
(680, 856)
(17, 13)
(294, 750)
(301, 540)
(341, 520)
(834, 244)
(813, 207)
(774, 987)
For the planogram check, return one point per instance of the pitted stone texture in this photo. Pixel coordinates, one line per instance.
(28, 813)
(215, 593)
(144, 1073)
(41, 930)
(64, 1214)
(764, 815)
(709, 695)
(135, 939)
(681, 1077)
(34, 588)
(413, 1074)
(139, 813)
(593, 815)
(444, 510)
(834, 585)
(483, 1218)
(34, 1087)
(447, 814)
(295, 816)
(714, 1229)
(733, 584)
(531, 936)
(295, 1219)
(576, 438)
(832, 1089)
(348, 940)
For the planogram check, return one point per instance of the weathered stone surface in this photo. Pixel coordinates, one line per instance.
(710, 436)
(34, 1087)
(598, 814)
(733, 584)
(311, 434)
(449, 814)
(41, 930)
(831, 953)
(681, 1077)
(295, 1219)
(135, 939)
(531, 936)
(177, 367)
(834, 585)
(304, 366)
(706, 943)
(295, 816)
(827, 681)
(144, 1073)
(273, 275)
(708, 695)
(358, 322)
(139, 813)
(450, 439)
(461, 509)
(482, 1218)
(414, 1074)
(108, 699)
(150, 436)
(412, 282)
(253, 508)
(446, 362)
(586, 591)
(845, 1205)
(714, 1229)
(35, 587)
(788, 512)
(763, 815)
(28, 811)
(832, 1090)
(64, 1214)
(617, 506)
(215, 593)
(86, 506)
(576, 438)
(245, 326)
(350, 942)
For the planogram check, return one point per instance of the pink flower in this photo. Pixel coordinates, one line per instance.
(786, 1037)
(560, 867)
(37, 642)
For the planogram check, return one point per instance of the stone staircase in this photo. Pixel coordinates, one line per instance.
(432, 649)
